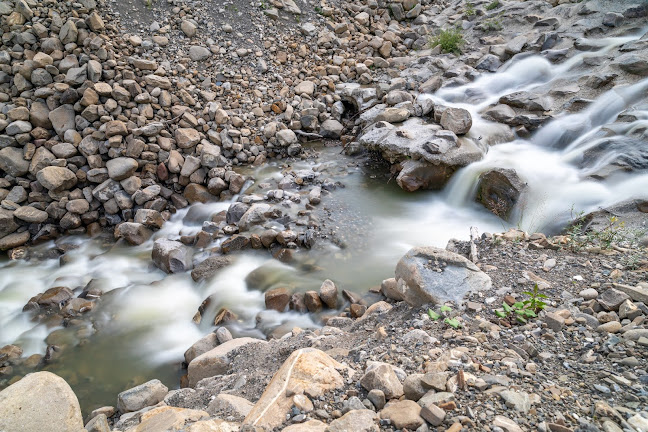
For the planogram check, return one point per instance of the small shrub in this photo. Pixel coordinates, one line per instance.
(491, 24)
(469, 10)
(450, 41)
(493, 5)
(521, 311)
(614, 233)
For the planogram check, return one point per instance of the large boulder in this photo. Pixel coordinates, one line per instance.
(499, 190)
(307, 371)
(172, 256)
(216, 361)
(433, 275)
(39, 402)
(428, 154)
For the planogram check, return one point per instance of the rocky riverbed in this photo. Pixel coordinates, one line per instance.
(172, 171)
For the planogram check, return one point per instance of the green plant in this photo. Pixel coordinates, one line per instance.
(444, 312)
(450, 40)
(613, 233)
(493, 5)
(518, 311)
(535, 302)
(469, 9)
(318, 10)
(492, 24)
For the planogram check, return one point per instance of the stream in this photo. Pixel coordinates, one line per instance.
(142, 325)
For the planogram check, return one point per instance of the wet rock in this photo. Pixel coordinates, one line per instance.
(312, 301)
(308, 371)
(499, 190)
(435, 275)
(382, 377)
(457, 120)
(235, 243)
(331, 129)
(171, 256)
(209, 267)
(201, 346)
(277, 299)
(55, 297)
(38, 402)
(328, 293)
(133, 233)
(136, 398)
(425, 151)
(217, 360)
(636, 64)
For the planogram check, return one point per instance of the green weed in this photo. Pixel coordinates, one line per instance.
(493, 5)
(450, 41)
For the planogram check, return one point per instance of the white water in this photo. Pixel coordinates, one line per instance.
(147, 315)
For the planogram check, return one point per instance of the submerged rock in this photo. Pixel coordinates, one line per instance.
(433, 275)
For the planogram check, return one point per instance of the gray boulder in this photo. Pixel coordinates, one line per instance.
(433, 275)
(457, 120)
(147, 394)
(499, 190)
(171, 256)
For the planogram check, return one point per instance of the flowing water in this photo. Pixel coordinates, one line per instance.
(142, 325)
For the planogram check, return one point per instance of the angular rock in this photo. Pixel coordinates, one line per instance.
(216, 361)
(56, 179)
(433, 275)
(403, 414)
(357, 421)
(308, 371)
(457, 120)
(382, 378)
(171, 256)
(499, 190)
(209, 267)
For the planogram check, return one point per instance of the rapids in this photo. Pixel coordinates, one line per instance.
(142, 325)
